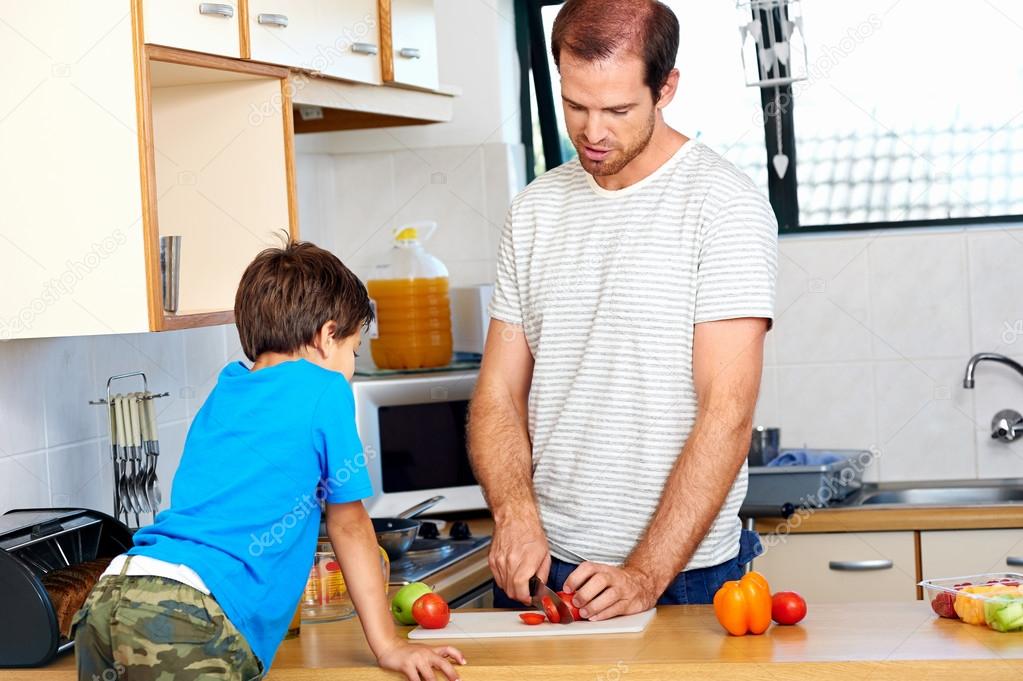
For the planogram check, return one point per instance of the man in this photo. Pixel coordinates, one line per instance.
(613, 412)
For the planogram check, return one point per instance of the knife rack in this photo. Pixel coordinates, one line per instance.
(120, 508)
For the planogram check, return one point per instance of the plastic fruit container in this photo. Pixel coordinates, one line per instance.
(993, 600)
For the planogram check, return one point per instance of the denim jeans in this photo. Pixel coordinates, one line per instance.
(689, 587)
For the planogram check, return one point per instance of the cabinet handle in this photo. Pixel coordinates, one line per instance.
(861, 565)
(273, 20)
(410, 52)
(1015, 561)
(365, 48)
(217, 9)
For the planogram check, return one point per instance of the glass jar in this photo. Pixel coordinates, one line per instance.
(326, 597)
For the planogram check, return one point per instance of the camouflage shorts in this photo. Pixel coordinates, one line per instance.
(156, 629)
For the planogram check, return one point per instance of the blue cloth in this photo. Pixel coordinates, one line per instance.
(264, 448)
(690, 587)
(804, 457)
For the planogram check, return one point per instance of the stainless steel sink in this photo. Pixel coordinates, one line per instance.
(945, 496)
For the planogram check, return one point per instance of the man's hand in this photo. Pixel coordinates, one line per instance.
(519, 551)
(603, 591)
(417, 662)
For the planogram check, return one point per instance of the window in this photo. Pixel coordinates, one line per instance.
(912, 115)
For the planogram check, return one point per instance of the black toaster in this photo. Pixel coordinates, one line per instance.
(37, 547)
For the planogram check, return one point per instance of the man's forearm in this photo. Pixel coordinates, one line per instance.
(501, 454)
(693, 494)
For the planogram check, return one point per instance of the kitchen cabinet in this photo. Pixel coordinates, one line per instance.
(133, 143)
(408, 30)
(222, 175)
(336, 38)
(132, 120)
(842, 566)
(957, 553)
(209, 27)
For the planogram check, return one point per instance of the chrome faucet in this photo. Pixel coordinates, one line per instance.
(1007, 425)
(988, 357)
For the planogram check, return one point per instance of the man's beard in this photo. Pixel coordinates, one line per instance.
(617, 160)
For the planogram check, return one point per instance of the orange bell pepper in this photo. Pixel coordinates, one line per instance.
(744, 606)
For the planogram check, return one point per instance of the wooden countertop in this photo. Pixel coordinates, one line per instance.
(890, 518)
(879, 641)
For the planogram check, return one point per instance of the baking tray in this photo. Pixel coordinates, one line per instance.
(773, 487)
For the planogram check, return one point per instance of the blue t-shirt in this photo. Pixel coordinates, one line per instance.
(263, 450)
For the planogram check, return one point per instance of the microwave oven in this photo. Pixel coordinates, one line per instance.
(413, 432)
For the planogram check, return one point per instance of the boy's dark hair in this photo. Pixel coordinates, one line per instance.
(287, 294)
(594, 30)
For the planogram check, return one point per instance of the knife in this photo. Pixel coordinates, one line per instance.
(538, 591)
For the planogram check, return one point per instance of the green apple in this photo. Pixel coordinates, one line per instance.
(401, 604)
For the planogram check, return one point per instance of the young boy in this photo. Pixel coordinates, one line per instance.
(208, 590)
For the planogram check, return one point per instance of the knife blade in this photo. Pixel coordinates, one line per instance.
(538, 591)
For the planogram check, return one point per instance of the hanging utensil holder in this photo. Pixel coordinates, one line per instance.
(133, 494)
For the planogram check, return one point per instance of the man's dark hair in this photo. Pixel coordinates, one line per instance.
(594, 30)
(287, 294)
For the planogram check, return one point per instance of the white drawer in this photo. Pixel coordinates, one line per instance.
(414, 42)
(284, 31)
(842, 567)
(210, 27)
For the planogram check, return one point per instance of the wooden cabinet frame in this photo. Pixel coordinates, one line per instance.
(144, 55)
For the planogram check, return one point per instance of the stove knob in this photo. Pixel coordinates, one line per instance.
(460, 530)
(429, 530)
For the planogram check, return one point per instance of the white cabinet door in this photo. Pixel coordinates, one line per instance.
(968, 552)
(414, 43)
(348, 44)
(843, 567)
(210, 27)
(284, 32)
(71, 244)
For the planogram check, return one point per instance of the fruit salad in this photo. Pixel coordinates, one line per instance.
(991, 600)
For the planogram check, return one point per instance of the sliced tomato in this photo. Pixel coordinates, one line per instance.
(552, 611)
(532, 618)
(567, 598)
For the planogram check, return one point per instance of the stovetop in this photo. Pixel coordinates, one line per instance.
(428, 556)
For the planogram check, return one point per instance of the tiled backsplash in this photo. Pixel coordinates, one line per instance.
(54, 445)
(351, 203)
(871, 340)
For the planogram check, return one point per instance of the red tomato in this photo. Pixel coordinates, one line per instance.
(431, 611)
(567, 598)
(787, 607)
(552, 612)
(532, 617)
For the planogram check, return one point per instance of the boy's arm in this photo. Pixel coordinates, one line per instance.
(355, 545)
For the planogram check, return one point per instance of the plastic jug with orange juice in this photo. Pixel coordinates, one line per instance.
(413, 309)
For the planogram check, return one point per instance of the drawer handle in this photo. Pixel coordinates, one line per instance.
(365, 48)
(410, 52)
(1015, 561)
(273, 20)
(861, 565)
(216, 9)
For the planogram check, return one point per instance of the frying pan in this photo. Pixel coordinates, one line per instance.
(397, 534)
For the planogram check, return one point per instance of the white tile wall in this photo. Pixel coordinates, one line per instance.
(871, 338)
(465, 189)
(54, 446)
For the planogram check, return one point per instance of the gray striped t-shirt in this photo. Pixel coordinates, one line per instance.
(607, 286)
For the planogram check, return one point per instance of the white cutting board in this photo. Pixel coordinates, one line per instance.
(506, 623)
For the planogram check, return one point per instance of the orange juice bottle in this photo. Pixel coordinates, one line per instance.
(413, 309)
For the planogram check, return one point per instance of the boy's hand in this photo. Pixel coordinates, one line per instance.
(417, 662)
